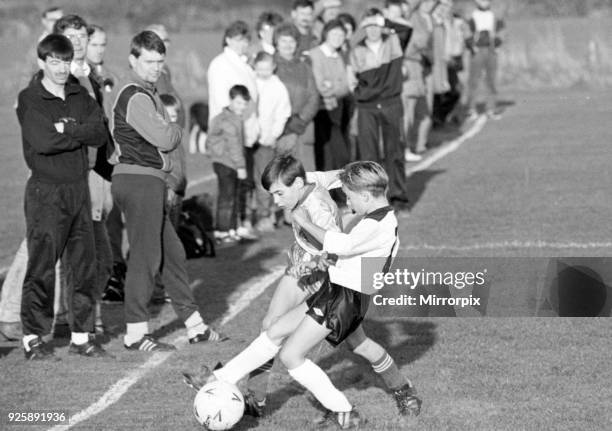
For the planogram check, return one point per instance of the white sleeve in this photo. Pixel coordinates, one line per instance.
(326, 179)
(364, 237)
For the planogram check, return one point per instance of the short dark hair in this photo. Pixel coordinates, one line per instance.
(347, 18)
(264, 56)
(51, 10)
(268, 18)
(198, 114)
(239, 91)
(56, 46)
(286, 29)
(284, 168)
(237, 28)
(169, 100)
(330, 25)
(95, 28)
(302, 3)
(148, 40)
(69, 21)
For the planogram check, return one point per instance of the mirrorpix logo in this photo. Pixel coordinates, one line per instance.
(411, 280)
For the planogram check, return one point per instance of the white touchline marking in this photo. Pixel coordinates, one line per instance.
(508, 245)
(450, 147)
(242, 298)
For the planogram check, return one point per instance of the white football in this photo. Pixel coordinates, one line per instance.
(218, 405)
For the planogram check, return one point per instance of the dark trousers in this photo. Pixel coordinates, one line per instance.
(154, 247)
(227, 197)
(332, 144)
(384, 121)
(261, 157)
(104, 257)
(114, 226)
(58, 224)
(483, 61)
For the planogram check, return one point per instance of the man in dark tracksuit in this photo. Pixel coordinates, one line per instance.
(376, 61)
(143, 137)
(58, 122)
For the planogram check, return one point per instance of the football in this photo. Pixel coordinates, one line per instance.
(218, 405)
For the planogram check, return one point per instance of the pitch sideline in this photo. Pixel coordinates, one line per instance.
(242, 298)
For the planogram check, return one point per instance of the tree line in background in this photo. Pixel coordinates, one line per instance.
(193, 15)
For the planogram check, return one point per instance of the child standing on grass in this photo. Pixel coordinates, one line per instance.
(486, 31)
(225, 145)
(273, 111)
(336, 310)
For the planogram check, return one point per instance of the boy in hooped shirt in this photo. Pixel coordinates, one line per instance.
(225, 145)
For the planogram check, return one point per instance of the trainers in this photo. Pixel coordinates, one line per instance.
(407, 402)
(89, 349)
(39, 351)
(208, 335)
(342, 420)
(198, 379)
(252, 407)
(149, 344)
(409, 156)
(472, 115)
(246, 233)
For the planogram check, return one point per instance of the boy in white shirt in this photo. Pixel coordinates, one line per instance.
(273, 111)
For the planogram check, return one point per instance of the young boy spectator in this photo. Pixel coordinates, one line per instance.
(376, 61)
(225, 145)
(177, 178)
(486, 36)
(59, 121)
(273, 111)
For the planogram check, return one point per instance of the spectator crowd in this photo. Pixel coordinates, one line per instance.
(105, 149)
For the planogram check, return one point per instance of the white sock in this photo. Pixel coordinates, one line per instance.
(317, 382)
(27, 339)
(195, 325)
(135, 332)
(79, 337)
(260, 351)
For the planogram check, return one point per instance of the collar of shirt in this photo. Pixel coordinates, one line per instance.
(327, 51)
(78, 70)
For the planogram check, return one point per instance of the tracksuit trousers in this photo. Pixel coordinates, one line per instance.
(154, 247)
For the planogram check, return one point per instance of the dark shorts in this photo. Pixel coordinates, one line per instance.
(338, 308)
